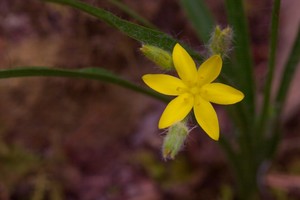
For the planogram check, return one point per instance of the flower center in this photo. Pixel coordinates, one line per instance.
(195, 90)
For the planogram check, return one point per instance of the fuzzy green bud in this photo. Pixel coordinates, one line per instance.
(221, 41)
(159, 56)
(174, 140)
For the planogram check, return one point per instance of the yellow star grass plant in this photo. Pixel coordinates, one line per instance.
(194, 90)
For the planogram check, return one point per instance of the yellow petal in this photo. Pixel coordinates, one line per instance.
(176, 110)
(209, 70)
(184, 64)
(164, 84)
(221, 94)
(206, 117)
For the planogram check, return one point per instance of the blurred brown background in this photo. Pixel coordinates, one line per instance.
(80, 139)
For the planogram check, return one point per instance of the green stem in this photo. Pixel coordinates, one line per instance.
(231, 154)
(87, 73)
(243, 168)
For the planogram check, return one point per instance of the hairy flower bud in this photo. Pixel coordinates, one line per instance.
(159, 56)
(221, 41)
(174, 140)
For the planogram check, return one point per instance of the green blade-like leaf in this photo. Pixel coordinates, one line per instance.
(200, 17)
(132, 13)
(289, 71)
(143, 34)
(243, 66)
(271, 66)
(87, 73)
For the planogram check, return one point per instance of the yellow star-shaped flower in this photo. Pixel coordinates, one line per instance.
(194, 90)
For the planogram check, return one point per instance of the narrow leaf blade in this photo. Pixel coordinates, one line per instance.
(132, 13)
(200, 17)
(99, 74)
(289, 70)
(243, 66)
(140, 33)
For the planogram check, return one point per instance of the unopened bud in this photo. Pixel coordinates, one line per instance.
(159, 56)
(221, 41)
(174, 140)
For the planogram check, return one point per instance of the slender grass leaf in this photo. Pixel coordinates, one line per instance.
(243, 65)
(140, 33)
(132, 13)
(200, 17)
(289, 71)
(87, 73)
(271, 66)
